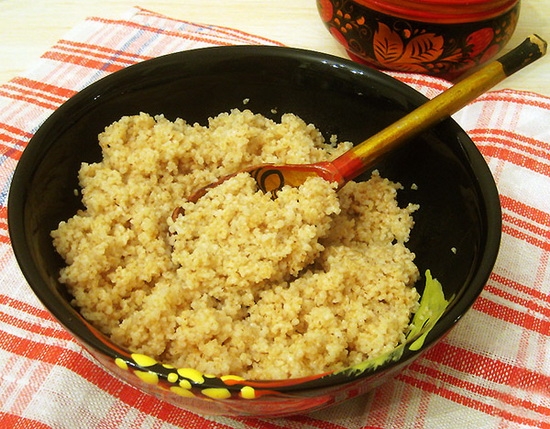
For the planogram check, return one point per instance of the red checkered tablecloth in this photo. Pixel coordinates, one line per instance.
(492, 371)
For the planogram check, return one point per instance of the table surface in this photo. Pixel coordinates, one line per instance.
(29, 28)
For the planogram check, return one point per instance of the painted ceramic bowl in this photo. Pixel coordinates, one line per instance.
(452, 183)
(443, 38)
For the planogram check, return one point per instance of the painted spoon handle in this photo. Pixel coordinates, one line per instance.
(361, 157)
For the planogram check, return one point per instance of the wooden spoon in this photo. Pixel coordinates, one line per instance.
(346, 167)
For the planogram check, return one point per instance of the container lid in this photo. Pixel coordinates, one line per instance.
(446, 11)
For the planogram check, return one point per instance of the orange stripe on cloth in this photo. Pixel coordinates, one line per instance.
(4, 238)
(4, 234)
(11, 421)
(524, 319)
(529, 304)
(528, 238)
(519, 142)
(31, 349)
(493, 370)
(83, 61)
(526, 223)
(8, 150)
(100, 51)
(514, 148)
(537, 229)
(461, 399)
(524, 98)
(46, 331)
(444, 379)
(14, 135)
(90, 371)
(508, 155)
(534, 294)
(24, 307)
(6, 129)
(92, 54)
(28, 97)
(532, 213)
(48, 91)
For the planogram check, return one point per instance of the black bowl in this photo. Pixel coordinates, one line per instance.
(459, 201)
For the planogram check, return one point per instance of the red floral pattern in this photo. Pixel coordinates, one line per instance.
(326, 10)
(397, 44)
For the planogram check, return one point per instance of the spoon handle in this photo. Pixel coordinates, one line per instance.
(361, 157)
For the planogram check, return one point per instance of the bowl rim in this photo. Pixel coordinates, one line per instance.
(99, 343)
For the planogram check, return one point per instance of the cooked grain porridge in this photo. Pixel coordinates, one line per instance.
(240, 283)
